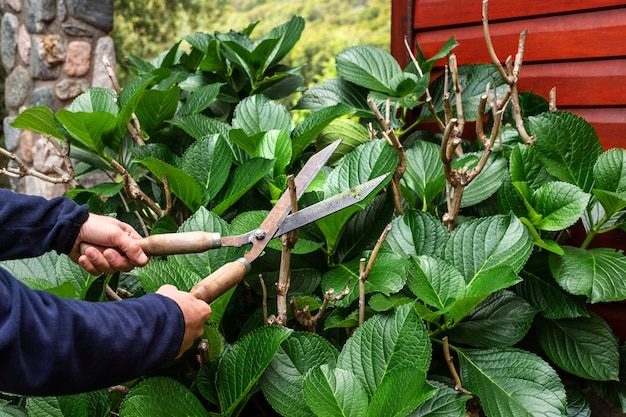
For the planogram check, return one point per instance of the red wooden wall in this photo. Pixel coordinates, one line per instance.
(578, 46)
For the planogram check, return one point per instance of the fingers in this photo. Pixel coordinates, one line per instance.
(106, 262)
(127, 240)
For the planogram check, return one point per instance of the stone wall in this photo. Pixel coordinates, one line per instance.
(51, 50)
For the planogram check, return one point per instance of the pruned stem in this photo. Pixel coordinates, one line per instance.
(552, 105)
(135, 192)
(284, 276)
(362, 279)
(23, 170)
(490, 49)
(264, 301)
(458, 92)
(304, 316)
(111, 295)
(458, 386)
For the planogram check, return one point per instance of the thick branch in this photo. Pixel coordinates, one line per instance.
(458, 92)
(455, 375)
(284, 276)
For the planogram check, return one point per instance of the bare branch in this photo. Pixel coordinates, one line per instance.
(458, 386)
(362, 279)
(458, 92)
(304, 316)
(23, 171)
(133, 190)
(492, 53)
(111, 295)
(264, 301)
(552, 105)
(284, 276)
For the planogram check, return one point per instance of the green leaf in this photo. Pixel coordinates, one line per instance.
(583, 346)
(200, 99)
(512, 382)
(245, 177)
(481, 244)
(445, 402)
(560, 204)
(334, 91)
(435, 282)
(577, 404)
(567, 146)
(288, 34)
(369, 67)
(242, 365)
(308, 129)
(181, 183)
(275, 145)
(161, 396)
(384, 344)
(92, 404)
(424, 173)
(503, 319)
(258, 114)
(208, 162)
(525, 166)
(87, 128)
(387, 276)
(550, 299)
(155, 107)
(95, 100)
(10, 411)
(283, 381)
(380, 302)
(611, 201)
(338, 319)
(334, 393)
(610, 171)
(349, 132)
(159, 272)
(399, 394)
(39, 119)
(486, 183)
(416, 233)
(129, 99)
(198, 125)
(597, 273)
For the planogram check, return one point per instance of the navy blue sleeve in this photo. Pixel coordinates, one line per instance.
(33, 225)
(55, 346)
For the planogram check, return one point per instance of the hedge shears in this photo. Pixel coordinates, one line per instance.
(277, 222)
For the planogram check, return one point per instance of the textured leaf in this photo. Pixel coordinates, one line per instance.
(334, 91)
(349, 132)
(208, 162)
(512, 382)
(369, 67)
(380, 302)
(424, 173)
(567, 145)
(181, 184)
(416, 233)
(550, 299)
(488, 242)
(435, 282)
(612, 202)
(9, 411)
(384, 344)
(445, 402)
(201, 98)
(560, 205)
(338, 319)
(245, 177)
(334, 393)
(525, 166)
(399, 394)
(95, 99)
(198, 125)
(610, 171)
(275, 145)
(92, 404)
(283, 381)
(577, 404)
(288, 34)
(584, 346)
(308, 129)
(87, 128)
(160, 397)
(160, 272)
(502, 319)
(242, 365)
(258, 114)
(155, 107)
(388, 276)
(486, 183)
(39, 119)
(597, 273)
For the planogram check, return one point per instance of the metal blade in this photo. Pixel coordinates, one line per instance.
(277, 215)
(329, 206)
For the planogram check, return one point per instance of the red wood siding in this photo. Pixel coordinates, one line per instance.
(578, 46)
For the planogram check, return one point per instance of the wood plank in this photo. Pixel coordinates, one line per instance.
(582, 84)
(609, 123)
(401, 27)
(569, 37)
(437, 13)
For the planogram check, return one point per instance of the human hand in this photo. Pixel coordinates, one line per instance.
(107, 245)
(196, 313)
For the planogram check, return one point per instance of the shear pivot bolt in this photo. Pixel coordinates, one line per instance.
(259, 234)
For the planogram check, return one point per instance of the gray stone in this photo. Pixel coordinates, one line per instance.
(18, 85)
(42, 55)
(97, 13)
(70, 88)
(23, 44)
(11, 134)
(39, 13)
(61, 10)
(8, 40)
(78, 31)
(42, 96)
(16, 5)
(104, 47)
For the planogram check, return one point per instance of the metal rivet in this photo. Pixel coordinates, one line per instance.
(259, 234)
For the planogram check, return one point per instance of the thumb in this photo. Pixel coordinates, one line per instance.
(132, 249)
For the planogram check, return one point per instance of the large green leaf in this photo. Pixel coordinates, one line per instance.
(416, 233)
(242, 365)
(577, 404)
(597, 273)
(525, 166)
(208, 162)
(129, 99)
(424, 172)
(583, 346)
(181, 183)
(560, 205)
(161, 397)
(550, 299)
(369, 67)
(512, 382)
(155, 107)
(334, 91)
(92, 404)
(610, 171)
(435, 282)
(39, 119)
(308, 129)
(334, 393)
(95, 99)
(245, 177)
(160, 272)
(10, 411)
(399, 394)
(201, 98)
(349, 132)
(445, 402)
(198, 125)
(388, 276)
(258, 114)
(502, 319)
(283, 381)
(488, 242)
(567, 145)
(384, 344)
(87, 128)
(486, 183)
(275, 145)
(288, 34)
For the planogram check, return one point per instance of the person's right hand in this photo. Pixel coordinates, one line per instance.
(196, 313)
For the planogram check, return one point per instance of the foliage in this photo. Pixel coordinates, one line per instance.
(502, 286)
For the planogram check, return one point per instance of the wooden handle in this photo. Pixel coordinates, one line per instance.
(175, 243)
(221, 280)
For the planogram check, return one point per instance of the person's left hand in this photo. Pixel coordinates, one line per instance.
(107, 245)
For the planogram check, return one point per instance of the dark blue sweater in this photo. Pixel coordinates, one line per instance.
(53, 346)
